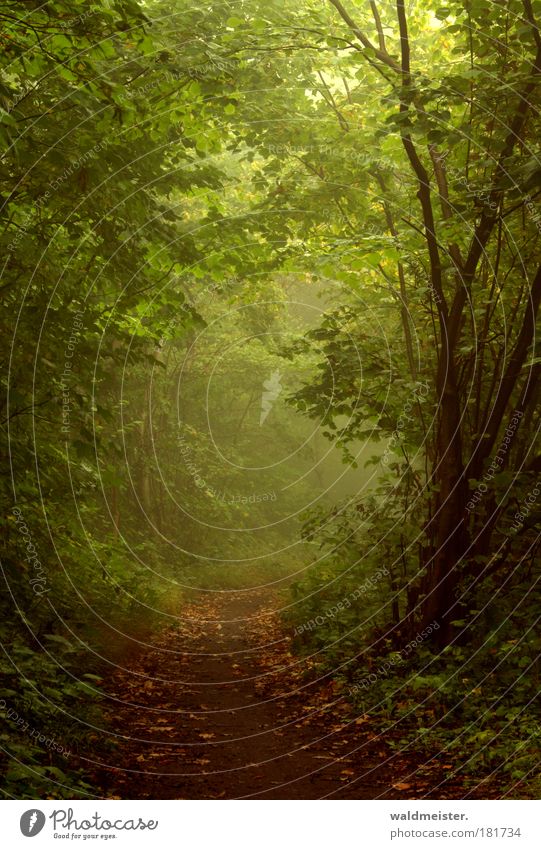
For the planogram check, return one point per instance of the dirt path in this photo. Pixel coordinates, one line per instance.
(221, 708)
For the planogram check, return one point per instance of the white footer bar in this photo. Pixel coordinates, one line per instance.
(272, 824)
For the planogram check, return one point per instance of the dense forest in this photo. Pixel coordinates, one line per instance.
(270, 279)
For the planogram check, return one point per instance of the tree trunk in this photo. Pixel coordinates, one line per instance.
(447, 530)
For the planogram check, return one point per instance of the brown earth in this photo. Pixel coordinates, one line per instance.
(221, 708)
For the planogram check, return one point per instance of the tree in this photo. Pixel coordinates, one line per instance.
(468, 162)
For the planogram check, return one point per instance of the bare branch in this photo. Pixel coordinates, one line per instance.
(377, 21)
(424, 193)
(382, 55)
(446, 208)
(528, 14)
(332, 103)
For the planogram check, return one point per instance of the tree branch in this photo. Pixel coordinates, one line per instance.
(424, 193)
(443, 190)
(403, 297)
(488, 220)
(332, 103)
(377, 21)
(486, 441)
(382, 55)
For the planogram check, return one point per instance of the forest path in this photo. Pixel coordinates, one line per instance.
(221, 708)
